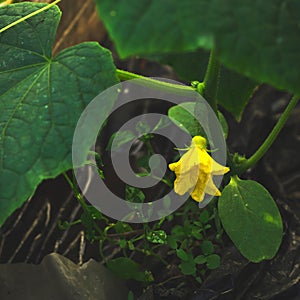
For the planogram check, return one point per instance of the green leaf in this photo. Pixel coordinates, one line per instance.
(196, 233)
(182, 254)
(251, 219)
(126, 268)
(171, 242)
(123, 244)
(64, 225)
(200, 259)
(162, 123)
(88, 222)
(234, 91)
(121, 227)
(188, 267)
(142, 127)
(182, 117)
(120, 138)
(204, 217)
(41, 99)
(199, 279)
(213, 261)
(134, 194)
(256, 38)
(157, 237)
(188, 66)
(178, 232)
(130, 295)
(207, 247)
(131, 245)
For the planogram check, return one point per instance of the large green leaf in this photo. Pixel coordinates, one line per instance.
(41, 99)
(251, 219)
(259, 39)
(188, 66)
(234, 91)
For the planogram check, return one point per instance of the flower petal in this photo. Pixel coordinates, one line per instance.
(189, 160)
(199, 190)
(186, 181)
(218, 169)
(205, 161)
(211, 189)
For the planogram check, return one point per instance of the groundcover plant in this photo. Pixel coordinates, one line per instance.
(233, 45)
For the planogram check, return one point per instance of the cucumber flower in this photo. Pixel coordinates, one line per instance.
(194, 171)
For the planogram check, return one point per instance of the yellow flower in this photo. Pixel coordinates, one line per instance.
(194, 171)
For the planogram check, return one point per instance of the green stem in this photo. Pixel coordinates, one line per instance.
(101, 242)
(248, 163)
(175, 88)
(76, 193)
(211, 80)
(80, 199)
(28, 16)
(209, 88)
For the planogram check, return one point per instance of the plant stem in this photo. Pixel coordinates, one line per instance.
(248, 163)
(28, 16)
(211, 80)
(76, 193)
(176, 88)
(209, 88)
(84, 206)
